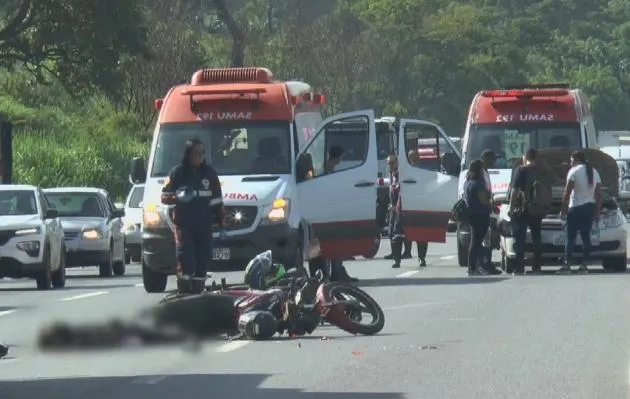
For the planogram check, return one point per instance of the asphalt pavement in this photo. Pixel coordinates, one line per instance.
(446, 336)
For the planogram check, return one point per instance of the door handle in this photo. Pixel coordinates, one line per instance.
(364, 184)
(409, 181)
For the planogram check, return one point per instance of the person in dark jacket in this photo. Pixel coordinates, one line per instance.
(477, 198)
(396, 230)
(194, 189)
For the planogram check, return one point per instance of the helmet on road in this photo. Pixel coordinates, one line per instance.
(261, 272)
(257, 324)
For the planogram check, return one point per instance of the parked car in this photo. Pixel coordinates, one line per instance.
(133, 224)
(92, 227)
(31, 237)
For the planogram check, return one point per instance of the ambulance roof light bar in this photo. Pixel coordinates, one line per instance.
(231, 75)
(524, 93)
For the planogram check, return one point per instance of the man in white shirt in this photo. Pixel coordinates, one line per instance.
(488, 157)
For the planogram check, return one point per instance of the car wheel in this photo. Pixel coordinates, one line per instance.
(44, 278)
(106, 269)
(153, 282)
(616, 264)
(59, 275)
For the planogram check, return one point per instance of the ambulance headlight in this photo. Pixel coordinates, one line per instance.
(151, 216)
(279, 211)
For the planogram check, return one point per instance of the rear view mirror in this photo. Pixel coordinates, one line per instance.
(303, 167)
(138, 172)
(51, 214)
(450, 164)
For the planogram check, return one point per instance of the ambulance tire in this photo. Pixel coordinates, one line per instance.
(462, 254)
(153, 282)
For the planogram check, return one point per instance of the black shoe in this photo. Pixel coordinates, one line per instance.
(422, 262)
(406, 256)
(477, 272)
(390, 256)
(396, 265)
(4, 350)
(566, 269)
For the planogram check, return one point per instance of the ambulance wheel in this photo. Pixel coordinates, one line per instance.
(462, 254)
(377, 244)
(153, 282)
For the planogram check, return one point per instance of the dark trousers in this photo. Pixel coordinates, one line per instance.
(521, 224)
(193, 250)
(422, 248)
(478, 228)
(579, 218)
(331, 268)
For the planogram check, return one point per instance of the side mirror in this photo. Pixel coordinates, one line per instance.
(51, 214)
(303, 166)
(138, 172)
(118, 213)
(450, 164)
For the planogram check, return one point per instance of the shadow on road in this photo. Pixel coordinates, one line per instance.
(96, 276)
(224, 386)
(400, 282)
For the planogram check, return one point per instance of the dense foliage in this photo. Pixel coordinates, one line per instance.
(78, 77)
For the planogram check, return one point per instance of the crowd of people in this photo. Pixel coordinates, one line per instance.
(530, 196)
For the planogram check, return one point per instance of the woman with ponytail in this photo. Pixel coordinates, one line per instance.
(580, 206)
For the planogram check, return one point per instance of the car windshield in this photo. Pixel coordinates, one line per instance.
(76, 204)
(137, 192)
(17, 202)
(235, 148)
(511, 141)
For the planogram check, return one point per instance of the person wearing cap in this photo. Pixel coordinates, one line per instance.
(194, 189)
(488, 159)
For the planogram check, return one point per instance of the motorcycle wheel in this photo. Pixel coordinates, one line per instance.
(350, 320)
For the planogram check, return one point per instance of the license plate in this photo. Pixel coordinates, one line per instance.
(560, 237)
(221, 253)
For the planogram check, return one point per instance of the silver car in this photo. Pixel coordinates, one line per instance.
(132, 227)
(92, 228)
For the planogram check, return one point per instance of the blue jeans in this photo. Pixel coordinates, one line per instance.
(579, 218)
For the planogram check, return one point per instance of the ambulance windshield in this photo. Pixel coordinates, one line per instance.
(510, 141)
(235, 148)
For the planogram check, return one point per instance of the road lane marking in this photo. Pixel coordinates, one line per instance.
(408, 274)
(83, 296)
(7, 312)
(232, 346)
(149, 379)
(448, 257)
(416, 305)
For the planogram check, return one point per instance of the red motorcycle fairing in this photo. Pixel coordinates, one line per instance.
(334, 313)
(247, 299)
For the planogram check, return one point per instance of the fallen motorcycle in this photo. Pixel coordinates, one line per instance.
(295, 305)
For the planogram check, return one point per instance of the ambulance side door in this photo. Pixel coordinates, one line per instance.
(429, 187)
(340, 205)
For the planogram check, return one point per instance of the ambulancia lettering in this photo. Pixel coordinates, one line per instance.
(240, 196)
(525, 118)
(224, 116)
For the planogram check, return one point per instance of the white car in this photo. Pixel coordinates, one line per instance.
(132, 226)
(92, 227)
(31, 237)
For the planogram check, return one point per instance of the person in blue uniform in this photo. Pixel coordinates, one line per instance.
(194, 189)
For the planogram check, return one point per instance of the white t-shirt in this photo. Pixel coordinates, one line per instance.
(582, 193)
(486, 177)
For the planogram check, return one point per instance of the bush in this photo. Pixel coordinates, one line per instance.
(92, 146)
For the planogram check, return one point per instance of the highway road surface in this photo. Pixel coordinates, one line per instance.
(446, 336)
